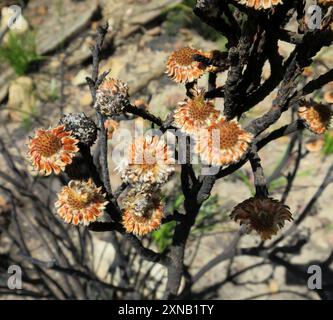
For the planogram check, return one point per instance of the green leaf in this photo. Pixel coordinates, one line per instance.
(163, 236)
(328, 143)
(20, 52)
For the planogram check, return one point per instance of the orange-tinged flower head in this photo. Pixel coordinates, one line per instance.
(80, 202)
(111, 125)
(52, 150)
(317, 117)
(143, 211)
(149, 160)
(260, 4)
(182, 67)
(193, 114)
(264, 215)
(222, 142)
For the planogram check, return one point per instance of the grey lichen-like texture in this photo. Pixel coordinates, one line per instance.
(81, 126)
(110, 105)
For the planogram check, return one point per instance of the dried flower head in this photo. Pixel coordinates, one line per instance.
(111, 125)
(193, 114)
(81, 202)
(260, 4)
(111, 97)
(52, 150)
(143, 211)
(82, 127)
(149, 160)
(182, 67)
(317, 117)
(264, 215)
(222, 142)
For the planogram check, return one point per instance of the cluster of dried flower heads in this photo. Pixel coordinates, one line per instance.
(53, 150)
(149, 162)
(219, 141)
(147, 166)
